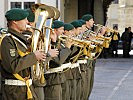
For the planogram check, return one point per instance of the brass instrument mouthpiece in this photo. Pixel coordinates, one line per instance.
(28, 26)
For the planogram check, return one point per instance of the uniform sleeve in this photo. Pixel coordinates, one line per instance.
(63, 55)
(11, 60)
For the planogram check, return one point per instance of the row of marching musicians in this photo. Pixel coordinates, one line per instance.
(69, 62)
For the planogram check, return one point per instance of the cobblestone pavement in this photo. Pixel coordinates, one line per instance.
(113, 80)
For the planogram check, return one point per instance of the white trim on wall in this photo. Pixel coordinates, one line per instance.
(9, 2)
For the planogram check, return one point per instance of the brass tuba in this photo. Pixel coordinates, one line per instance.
(44, 16)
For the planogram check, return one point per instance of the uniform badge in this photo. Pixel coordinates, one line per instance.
(12, 52)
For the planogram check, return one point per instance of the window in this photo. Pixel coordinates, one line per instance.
(28, 4)
(24, 4)
(16, 5)
(115, 1)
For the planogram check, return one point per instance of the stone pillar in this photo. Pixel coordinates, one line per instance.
(98, 12)
(71, 10)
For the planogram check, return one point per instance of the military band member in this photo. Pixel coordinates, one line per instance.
(16, 61)
(83, 25)
(89, 20)
(39, 87)
(83, 66)
(91, 63)
(76, 71)
(78, 27)
(69, 31)
(53, 89)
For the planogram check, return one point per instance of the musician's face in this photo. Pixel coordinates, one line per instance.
(67, 33)
(78, 30)
(70, 32)
(20, 25)
(90, 23)
(60, 31)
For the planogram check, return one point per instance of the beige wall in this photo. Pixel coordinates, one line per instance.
(98, 12)
(70, 10)
(2, 14)
(49, 2)
(121, 14)
(113, 15)
(61, 8)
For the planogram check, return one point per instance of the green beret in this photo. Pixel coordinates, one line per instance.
(57, 24)
(76, 24)
(82, 21)
(68, 26)
(16, 14)
(31, 17)
(87, 17)
(52, 25)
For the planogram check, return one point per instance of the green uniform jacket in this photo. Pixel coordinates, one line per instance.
(13, 63)
(57, 78)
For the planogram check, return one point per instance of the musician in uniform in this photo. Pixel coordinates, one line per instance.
(90, 63)
(76, 71)
(69, 31)
(83, 25)
(55, 77)
(39, 87)
(16, 62)
(83, 65)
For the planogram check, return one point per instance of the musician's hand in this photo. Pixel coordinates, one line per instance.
(69, 43)
(40, 55)
(53, 52)
(53, 36)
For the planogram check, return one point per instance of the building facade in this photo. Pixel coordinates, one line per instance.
(24, 4)
(120, 14)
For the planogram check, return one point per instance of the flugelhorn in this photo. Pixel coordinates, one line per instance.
(107, 28)
(77, 42)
